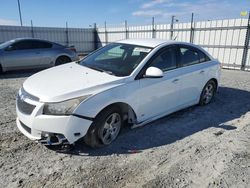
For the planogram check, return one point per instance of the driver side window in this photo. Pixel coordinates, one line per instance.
(22, 45)
(166, 60)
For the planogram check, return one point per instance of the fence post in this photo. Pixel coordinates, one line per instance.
(126, 29)
(67, 34)
(192, 29)
(153, 27)
(32, 29)
(244, 57)
(106, 33)
(171, 28)
(95, 37)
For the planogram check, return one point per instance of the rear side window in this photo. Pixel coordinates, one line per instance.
(191, 56)
(41, 44)
(188, 56)
(203, 57)
(166, 60)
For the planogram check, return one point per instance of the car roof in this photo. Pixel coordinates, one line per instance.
(36, 39)
(146, 42)
(27, 38)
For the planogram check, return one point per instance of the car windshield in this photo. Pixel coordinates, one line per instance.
(116, 59)
(5, 44)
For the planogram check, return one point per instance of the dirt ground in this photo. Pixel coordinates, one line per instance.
(198, 147)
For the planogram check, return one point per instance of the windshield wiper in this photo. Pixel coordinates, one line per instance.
(94, 68)
(109, 72)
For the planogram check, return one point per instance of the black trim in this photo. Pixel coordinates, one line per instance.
(83, 117)
(152, 76)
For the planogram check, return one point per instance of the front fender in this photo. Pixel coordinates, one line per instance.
(123, 93)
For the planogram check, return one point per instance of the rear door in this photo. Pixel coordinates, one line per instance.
(193, 74)
(22, 55)
(158, 96)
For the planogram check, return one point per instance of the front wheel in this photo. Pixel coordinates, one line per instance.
(208, 93)
(105, 128)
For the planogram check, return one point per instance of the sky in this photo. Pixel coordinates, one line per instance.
(83, 13)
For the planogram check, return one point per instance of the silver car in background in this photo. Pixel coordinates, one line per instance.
(29, 53)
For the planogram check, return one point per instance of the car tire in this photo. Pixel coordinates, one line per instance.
(105, 128)
(1, 69)
(62, 60)
(208, 93)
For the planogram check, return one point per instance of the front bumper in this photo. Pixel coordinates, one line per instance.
(36, 125)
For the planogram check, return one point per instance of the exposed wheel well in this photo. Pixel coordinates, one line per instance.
(127, 111)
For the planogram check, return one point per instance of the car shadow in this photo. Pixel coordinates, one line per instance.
(19, 73)
(229, 104)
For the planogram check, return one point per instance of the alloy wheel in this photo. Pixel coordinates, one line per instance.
(208, 93)
(111, 128)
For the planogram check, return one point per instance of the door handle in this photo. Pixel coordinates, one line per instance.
(202, 72)
(175, 80)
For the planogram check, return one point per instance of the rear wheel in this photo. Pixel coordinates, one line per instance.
(208, 93)
(105, 128)
(62, 60)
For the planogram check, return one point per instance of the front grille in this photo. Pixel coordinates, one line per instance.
(24, 107)
(27, 129)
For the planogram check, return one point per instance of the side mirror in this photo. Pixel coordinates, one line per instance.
(9, 48)
(153, 72)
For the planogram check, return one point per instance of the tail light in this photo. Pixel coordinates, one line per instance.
(72, 48)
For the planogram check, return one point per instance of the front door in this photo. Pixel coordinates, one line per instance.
(159, 96)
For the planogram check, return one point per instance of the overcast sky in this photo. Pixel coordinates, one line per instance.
(83, 13)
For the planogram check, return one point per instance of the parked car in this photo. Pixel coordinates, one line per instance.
(26, 53)
(129, 81)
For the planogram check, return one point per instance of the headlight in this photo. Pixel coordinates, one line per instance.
(63, 108)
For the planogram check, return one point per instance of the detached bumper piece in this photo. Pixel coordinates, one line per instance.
(51, 139)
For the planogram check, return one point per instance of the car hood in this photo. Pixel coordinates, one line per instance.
(69, 81)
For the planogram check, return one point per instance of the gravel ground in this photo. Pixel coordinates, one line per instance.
(197, 147)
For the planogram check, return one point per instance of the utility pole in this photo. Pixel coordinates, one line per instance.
(20, 14)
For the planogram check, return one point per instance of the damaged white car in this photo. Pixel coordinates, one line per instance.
(127, 82)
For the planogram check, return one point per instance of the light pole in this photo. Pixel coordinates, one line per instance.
(20, 14)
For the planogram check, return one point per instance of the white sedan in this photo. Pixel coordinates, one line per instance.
(127, 82)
